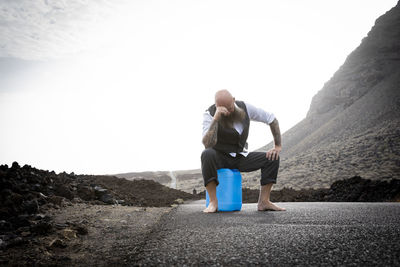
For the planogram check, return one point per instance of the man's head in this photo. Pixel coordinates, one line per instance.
(225, 99)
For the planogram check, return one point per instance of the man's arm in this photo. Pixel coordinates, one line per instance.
(210, 138)
(276, 132)
(258, 114)
(274, 153)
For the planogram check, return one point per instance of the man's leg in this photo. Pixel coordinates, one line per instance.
(264, 202)
(209, 171)
(212, 194)
(269, 172)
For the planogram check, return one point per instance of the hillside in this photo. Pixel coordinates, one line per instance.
(353, 124)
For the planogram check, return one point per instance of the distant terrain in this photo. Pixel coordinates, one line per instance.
(186, 180)
(161, 177)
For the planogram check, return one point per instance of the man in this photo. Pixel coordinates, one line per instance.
(225, 130)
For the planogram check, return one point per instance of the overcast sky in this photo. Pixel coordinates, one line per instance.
(110, 86)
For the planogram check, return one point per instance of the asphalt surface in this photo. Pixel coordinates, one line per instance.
(307, 234)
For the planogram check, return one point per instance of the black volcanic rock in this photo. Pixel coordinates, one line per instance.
(63, 191)
(355, 189)
(15, 165)
(86, 192)
(364, 190)
(30, 206)
(41, 227)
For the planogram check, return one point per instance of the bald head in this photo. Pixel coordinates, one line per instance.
(224, 98)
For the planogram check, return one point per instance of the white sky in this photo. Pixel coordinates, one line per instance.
(133, 78)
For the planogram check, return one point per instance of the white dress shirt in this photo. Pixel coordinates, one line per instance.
(255, 114)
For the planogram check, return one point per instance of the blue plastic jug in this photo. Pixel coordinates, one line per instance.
(229, 190)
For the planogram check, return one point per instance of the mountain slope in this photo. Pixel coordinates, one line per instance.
(352, 127)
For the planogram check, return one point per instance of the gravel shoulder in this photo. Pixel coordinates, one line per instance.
(115, 234)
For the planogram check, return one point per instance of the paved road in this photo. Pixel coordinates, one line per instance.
(312, 234)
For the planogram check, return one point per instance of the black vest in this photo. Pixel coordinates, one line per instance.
(228, 139)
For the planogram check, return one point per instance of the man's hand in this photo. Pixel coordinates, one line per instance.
(273, 154)
(221, 110)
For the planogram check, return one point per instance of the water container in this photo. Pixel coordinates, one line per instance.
(229, 190)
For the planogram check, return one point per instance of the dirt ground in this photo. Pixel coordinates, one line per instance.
(108, 235)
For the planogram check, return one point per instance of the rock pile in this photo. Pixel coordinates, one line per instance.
(27, 194)
(364, 190)
(355, 189)
(145, 193)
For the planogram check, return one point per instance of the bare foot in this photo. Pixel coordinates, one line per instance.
(262, 206)
(212, 207)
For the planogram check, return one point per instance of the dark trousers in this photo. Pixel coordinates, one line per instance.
(212, 160)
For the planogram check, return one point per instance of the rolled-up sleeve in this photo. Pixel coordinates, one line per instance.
(207, 119)
(258, 114)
